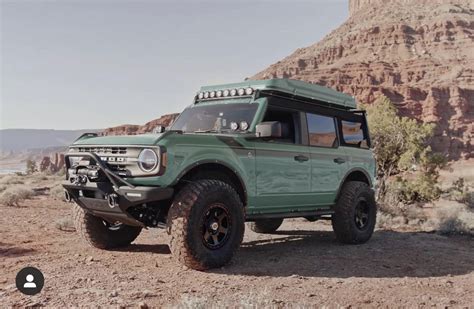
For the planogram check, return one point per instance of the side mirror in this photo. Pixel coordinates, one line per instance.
(159, 129)
(269, 129)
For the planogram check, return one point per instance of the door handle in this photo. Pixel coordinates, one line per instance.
(339, 160)
(301, 158)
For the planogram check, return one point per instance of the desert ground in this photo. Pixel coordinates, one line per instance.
(301, 265)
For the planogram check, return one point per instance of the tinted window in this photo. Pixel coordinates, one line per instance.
(287, 119)
(353, 134)
(322, 131)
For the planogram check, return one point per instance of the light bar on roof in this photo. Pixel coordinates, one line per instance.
(216, 94)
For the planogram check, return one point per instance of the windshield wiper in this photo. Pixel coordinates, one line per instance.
(206, 131)
(213, 131)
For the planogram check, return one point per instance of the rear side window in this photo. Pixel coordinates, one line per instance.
(353, 134)
(322, 131)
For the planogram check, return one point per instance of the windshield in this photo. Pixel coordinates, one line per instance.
(216, 118)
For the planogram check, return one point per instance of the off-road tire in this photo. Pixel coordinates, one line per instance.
(266, 226)
(185, 223)
(98, 235)
(344, 218)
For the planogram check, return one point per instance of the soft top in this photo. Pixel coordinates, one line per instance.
(293, 87)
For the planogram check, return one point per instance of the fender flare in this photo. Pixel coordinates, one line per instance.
(348, 173)
(210, 161)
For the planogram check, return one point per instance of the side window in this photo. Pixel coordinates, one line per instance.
(322, 130)
(289, 123)
(353, 134)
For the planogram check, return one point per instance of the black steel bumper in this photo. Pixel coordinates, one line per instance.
(95, 197)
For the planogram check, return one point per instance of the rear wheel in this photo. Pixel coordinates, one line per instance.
(102, 234)
(266, 226)
(206, 224)
(355, 213)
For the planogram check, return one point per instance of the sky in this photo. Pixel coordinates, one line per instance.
(70, 64)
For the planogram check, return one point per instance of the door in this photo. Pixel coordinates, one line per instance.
(283, 166)
(328, 160)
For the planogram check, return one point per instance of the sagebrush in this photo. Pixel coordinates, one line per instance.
(12, 196)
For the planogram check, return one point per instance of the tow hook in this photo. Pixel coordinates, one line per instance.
(112, 200)
(78, 180)
(67, 196)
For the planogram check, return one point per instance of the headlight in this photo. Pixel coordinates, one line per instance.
(147, 160)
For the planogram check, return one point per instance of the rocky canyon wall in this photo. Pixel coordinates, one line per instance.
(419, 53)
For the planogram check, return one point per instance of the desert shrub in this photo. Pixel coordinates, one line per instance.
(399, 214)
(459, 191)
(31, 167)
(38, 177)
(12, 180)
(455, 219)
(390, 221)
(423, 188)
(57, 192)
(12, 196)
(459, 185)
(65, 224)
(400, 145)
(3, 188)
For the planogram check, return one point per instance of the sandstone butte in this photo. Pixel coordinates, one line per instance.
(418, 53)
(132, 129)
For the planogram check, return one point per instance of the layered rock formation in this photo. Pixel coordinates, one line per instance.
(130, 129)
(52, 164)
(419, 53)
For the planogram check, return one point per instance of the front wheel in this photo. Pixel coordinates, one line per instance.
(101, 234)
(206, 224)
(355, 213)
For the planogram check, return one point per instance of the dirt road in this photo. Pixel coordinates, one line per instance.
(300, 265)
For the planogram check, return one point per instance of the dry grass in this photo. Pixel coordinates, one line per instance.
(57, 192)
(411, 216)
(446, 217)
(455, 219)
(65, 224)
(15, 188)
(9, 180)
(12, 196)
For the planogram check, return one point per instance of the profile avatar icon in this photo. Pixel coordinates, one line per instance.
(29, 284)
(29, 281)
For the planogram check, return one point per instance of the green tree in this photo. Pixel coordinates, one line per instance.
(400, 145)
(31, 167)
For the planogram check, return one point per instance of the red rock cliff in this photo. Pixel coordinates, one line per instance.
(131, 129)
(419, 53)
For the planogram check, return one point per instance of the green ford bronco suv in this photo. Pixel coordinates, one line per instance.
(257, 151)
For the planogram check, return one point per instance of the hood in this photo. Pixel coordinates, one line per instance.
(144, 139)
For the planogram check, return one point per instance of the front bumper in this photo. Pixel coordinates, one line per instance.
(95, 197)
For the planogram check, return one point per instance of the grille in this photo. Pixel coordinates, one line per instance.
(104, 150)
(120, 170)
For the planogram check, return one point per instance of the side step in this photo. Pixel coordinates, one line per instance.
(296, 214)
